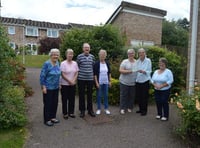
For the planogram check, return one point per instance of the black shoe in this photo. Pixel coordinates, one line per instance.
(72, 115)
(143, 114)
(138, 111)
(82, 114)
(65, 117)
(91, 113)
(49, 123)
(55, 121)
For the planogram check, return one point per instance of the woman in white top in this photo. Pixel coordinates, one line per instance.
(162, 80)
(128, 73)
(69, 72)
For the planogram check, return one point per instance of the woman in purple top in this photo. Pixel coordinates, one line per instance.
(49, 81)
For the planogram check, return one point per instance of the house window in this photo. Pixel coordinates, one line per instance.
(138, 43)
(53, 33)
(12, 45)
(11, 30)
(31, 31)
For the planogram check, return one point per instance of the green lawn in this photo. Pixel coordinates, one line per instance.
(12, 138)
(33, 60)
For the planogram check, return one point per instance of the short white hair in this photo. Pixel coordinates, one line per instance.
(54, 50)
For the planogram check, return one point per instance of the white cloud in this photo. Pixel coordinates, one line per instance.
(91, 12)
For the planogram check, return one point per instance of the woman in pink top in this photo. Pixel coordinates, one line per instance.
(69, 71)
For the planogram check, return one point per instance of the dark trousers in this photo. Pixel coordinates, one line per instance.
(50, 101)
(68, 99)
(127, 96)
(162, 97)
(142, 95)
(85, 87)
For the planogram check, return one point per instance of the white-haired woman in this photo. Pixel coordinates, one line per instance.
(49, 81)
(69, 72)
(127, 79)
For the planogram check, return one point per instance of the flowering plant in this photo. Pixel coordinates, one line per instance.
(189, 109)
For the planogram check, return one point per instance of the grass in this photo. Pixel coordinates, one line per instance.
(33, 60)
(13, 138)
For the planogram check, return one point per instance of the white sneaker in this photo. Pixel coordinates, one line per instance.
(98, 112)
(158, 117)
(163, 119)
(107, 112)
(129, 110)
(122, 111)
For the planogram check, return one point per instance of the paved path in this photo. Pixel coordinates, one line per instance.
(124, 131)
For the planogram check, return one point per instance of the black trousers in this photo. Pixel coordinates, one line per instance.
(68, 99)
(50, 101)
(142, 95)
(85, 87)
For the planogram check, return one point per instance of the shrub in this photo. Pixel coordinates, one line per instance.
(189, 109)
(12, 107)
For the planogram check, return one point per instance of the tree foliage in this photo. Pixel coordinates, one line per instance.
(106, 37)
(46, 44)
(175, 32)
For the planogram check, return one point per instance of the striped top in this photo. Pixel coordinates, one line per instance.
(85, 64)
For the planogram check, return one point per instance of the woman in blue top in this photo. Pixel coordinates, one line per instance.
(49, 81)
(162, 80)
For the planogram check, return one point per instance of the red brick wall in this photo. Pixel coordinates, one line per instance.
(139, 27)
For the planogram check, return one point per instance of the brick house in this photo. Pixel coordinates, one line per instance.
(141, 25)
(29, 32)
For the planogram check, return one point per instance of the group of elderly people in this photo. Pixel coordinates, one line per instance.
(135, 77)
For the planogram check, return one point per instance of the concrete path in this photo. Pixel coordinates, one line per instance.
(123, 131)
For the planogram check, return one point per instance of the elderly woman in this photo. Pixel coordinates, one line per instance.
(102, 77)
(69, 72)
(162, 80)
(128, 73)
(49, 81)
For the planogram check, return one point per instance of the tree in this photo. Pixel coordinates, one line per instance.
(106, 37)
(175, 33)
(46, 44)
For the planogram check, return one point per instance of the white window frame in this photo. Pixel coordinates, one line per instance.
(31, 31)
(11, 29)
(12, 45)
(52, 33)
(138, 43)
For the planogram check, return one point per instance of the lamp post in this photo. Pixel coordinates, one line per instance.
(23, 34)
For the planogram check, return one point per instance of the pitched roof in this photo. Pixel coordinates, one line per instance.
(42, 24)
(138, 9)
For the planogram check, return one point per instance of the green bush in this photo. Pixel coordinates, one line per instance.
(189, 109)
(12, 107)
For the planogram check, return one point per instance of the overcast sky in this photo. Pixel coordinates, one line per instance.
(91, 12)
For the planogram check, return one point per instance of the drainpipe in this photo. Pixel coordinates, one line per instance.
(193, 46)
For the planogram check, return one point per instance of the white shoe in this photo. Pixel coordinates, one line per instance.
(98, 112)
(129, 110)
(163, 119)
(158, 117)
(107, 112)
(122, 111)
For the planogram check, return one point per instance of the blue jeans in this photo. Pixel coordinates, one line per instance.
(102, 90)
(162, 97)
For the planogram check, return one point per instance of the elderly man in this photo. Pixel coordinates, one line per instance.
(85, 63)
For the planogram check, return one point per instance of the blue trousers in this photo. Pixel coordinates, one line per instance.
(102, 91)
(162, 97)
